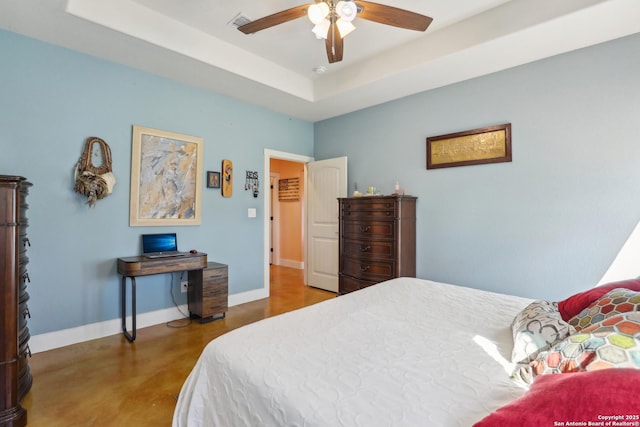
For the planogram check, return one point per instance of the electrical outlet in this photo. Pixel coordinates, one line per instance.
(184, 286)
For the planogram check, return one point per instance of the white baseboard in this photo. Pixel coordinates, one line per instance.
(290, 263)
(56, 339)
(248, 296)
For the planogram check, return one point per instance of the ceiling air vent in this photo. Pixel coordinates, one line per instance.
(239, 20)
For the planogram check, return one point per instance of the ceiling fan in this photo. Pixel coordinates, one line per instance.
(333, 18)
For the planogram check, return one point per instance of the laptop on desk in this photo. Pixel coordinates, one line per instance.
(161, 245)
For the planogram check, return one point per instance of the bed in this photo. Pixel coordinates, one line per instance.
(407, 352)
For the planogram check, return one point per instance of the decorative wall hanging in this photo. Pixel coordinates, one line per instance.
(213, 179)
(252, 182)
(94, 182)
(227, 178)
(289, 189)
(166, 178)
(473, 147)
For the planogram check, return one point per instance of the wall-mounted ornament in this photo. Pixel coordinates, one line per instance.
(252, 182)
(227, 178)
(93, 174)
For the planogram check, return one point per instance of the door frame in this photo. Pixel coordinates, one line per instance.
(274, 211)
(282, 155)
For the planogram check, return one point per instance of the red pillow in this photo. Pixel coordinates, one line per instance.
(580, 397)
(578, 302)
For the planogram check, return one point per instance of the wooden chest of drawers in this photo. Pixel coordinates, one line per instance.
(208, 292)
(377, 240)
(15, 375)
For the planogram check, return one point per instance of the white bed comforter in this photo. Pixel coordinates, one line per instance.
(407, 352)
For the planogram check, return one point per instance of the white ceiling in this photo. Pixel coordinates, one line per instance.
(192, 41)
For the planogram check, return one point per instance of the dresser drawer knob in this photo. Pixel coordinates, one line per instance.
(364, 229)
(365, 248)
(388, 213)
(364, 268)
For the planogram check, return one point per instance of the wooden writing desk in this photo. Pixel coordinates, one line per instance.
(135, 266)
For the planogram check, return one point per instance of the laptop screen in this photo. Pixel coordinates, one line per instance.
(159, 243)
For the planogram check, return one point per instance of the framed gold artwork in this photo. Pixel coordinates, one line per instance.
(472, 147)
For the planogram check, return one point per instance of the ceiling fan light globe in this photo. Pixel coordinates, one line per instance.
(321, 30)
(317, 12)
(344, 27)
(346, 10)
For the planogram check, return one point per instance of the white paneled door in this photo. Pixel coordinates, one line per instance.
(326, 181)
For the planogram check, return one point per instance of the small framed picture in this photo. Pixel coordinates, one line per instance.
(213, 179)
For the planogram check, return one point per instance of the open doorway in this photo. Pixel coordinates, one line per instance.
(284, 221)
(287, 225)
(324, 182)
(287, 213)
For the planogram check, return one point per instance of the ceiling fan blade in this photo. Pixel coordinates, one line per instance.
(275, 19)
(390, 15)
(334, 44)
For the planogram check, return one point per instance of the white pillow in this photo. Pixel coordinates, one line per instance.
(536, 329)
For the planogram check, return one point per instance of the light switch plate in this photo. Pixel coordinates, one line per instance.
(251, 212)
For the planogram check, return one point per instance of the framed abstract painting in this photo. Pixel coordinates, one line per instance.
(166, 178)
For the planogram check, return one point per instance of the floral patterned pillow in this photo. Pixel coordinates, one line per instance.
(612, 303)
(537, 328)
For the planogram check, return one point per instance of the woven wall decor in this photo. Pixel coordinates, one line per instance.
(94, 182)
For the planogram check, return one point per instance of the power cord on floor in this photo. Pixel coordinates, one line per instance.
(178, 323)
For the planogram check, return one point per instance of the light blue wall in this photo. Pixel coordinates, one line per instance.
(51, 100)
(543, 226)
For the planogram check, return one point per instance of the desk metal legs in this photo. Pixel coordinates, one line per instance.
(123, 296)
